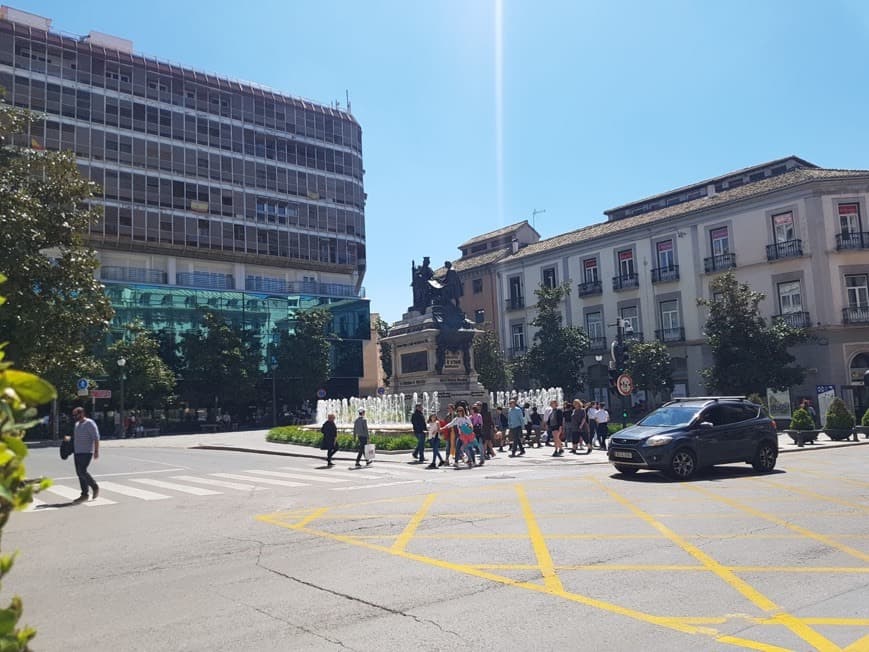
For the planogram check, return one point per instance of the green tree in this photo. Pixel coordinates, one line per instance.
(20, 392)
(303, 356)
(221, 364)
(55, 307)
(149, 381)
(555, 358)
(382, 329)
(489, 361)
(748, 355)
(650, 366)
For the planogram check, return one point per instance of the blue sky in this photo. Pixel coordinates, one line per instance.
(589, 106)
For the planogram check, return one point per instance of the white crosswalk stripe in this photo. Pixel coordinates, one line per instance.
(297, 476)
(218, 483)
(162, 484)
(133, 492)
(247, 478)
(372, 486)
(71, 494)
(338, 474)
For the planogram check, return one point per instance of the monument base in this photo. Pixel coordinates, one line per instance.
(424, 360)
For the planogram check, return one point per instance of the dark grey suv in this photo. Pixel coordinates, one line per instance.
(691, 433)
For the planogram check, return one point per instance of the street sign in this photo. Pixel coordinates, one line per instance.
(82, 387)
(625, 385)
(101, 393)
(381, 391)
(321, 393)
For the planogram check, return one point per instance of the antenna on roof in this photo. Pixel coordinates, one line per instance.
(347, 95)
(534, 214)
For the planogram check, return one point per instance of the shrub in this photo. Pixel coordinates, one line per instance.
(346, 442)
(802, 420)
(865, 420)
(838, 417)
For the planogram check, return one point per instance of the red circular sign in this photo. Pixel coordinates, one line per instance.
(625, 385)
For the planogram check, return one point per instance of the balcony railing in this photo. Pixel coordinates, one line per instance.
(634, 336)
(280, 286)
(597, 344)
(516, 303)
(794, 319)
(589, 288)
(133, 275)
(719, 262)
(207, 280)
(670, 335)
(856, 240)
(665, 274)
(787, 249)
(857, 315)
(626, 282)
(516, 352)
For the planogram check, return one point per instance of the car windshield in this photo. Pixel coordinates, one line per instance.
(671, 415)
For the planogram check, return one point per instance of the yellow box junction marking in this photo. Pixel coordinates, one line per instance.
(301, 521)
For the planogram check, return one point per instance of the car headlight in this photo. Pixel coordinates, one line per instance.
(658, 440)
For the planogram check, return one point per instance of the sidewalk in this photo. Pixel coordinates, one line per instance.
(254, 441)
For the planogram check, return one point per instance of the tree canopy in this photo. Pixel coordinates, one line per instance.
(493, 372)
(55, 308)
(650, 367)
(149, 382)
(555, 358)
(748, 355)
(302, 357)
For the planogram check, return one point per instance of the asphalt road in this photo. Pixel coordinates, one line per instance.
(217, 550)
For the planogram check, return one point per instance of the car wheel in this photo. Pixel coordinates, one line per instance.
(625, 469)
(683, 465)
(765, 458)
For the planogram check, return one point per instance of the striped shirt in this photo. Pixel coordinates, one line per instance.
(84, 436)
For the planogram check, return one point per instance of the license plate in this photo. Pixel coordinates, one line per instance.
(623, 455)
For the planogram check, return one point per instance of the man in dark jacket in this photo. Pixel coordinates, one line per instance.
(417, 420)
(330, 438)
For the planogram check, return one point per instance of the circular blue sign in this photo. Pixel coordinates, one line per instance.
(381, 391)
(82, 383)
(321, 393)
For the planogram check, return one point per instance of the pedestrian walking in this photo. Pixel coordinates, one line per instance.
(449, 434)
(603, 420)
(417, 420)
(577, 426)
(554, 425)
(501, 424)
(465, 428)
(477, 422)
(86, 447)
(434, 438)
(360, 431)
(536, 423)
(488, 431)
(330, 438)
(591, 417)
(515, 422)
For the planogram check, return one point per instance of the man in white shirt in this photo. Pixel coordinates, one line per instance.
(603, 418)
(86, 446)
(591, 415)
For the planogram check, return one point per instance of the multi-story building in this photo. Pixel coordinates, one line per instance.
(214, 192)
(787, 228)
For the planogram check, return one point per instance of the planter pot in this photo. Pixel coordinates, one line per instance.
(801, 437)
(838, 434)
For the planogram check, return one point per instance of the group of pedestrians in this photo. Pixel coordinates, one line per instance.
(469, 433)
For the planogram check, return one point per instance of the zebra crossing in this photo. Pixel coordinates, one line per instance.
(169, 486)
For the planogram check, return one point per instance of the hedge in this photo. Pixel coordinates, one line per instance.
(296, 435)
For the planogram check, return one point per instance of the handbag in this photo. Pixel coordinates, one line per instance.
(66, 448)
(370, 451)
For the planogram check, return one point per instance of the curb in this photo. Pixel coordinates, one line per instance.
(824, 446)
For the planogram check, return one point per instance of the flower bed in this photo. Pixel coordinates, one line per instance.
(346, 442)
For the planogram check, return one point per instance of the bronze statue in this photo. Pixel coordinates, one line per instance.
(452, 285)
(420, 283)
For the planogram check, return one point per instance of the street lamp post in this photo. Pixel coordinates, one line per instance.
(274, 366)
(121, 363)
(598, 359)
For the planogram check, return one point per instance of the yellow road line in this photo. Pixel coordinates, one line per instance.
(310, 518)
(541, 551)
(752, 645)
(785, 524)
(728, 577)
(860, 645)
(812, 494)
(405, 537)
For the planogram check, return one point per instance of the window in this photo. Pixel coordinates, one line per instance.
(849, 218)
(790, 298)
(666, 259)
(720, 241)
(589, 270)
(594, 325)
(517, 336)
(479, 316)
(477, 285)
(783, 227)
(670, 316)
(515, 289)
(857, 288)
(549, 277)
(626, 263)
(632, 315)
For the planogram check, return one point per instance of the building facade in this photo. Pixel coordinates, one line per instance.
(794, 231)
(213, 192)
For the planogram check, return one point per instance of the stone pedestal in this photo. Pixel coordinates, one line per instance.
(429, 357)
